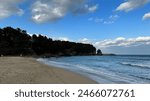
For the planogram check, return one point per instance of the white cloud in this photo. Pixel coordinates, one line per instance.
(85, 40)
(63, 39)
(92, 8)
(131, 5)
(118, 42)
(122, 42)
(113, 17)
(97, 20)
(84, 9)
(9, 7)
(110, 20)
(53, 10)
(146, 16)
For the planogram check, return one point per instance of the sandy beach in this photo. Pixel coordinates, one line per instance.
(26, 70)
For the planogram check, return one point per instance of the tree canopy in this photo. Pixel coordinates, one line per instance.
(99, 52)
(18, 42)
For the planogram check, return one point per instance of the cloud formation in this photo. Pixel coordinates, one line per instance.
(53, 10)
(63, 39)
(146, 16)
(9, 7)
(131, 5)
(110, 20)
(121, 45)
(96, 20)
(123, 42)
(85, 41)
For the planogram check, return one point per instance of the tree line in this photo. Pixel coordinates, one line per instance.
(18, 42)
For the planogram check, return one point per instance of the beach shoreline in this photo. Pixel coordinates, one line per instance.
(27, 70)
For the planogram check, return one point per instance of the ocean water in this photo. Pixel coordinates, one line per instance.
(125, 69)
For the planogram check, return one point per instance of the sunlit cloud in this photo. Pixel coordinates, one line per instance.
(53, 10)
(10, 7)
(129, 5)
(146, 16)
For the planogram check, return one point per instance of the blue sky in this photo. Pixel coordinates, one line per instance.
(115, 26)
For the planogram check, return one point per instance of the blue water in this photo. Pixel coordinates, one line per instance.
(107, 69)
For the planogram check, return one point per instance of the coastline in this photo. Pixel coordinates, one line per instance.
(26, 70)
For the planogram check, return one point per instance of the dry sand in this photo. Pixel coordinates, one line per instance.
(25, 70)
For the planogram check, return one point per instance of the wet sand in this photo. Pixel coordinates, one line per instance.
(26, 70)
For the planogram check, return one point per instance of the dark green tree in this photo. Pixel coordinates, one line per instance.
(18, 42)
(99, 52)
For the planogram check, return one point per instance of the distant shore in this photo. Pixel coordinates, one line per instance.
(26, 70)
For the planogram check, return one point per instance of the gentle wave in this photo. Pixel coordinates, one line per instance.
(106, 69)
(101, 75)
(136, 65)
(146, 78)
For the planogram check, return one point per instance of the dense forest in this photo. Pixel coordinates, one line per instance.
(17, 42)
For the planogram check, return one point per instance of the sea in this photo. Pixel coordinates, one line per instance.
(119, 69)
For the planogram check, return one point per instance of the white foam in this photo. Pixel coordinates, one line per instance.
(98, 74)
